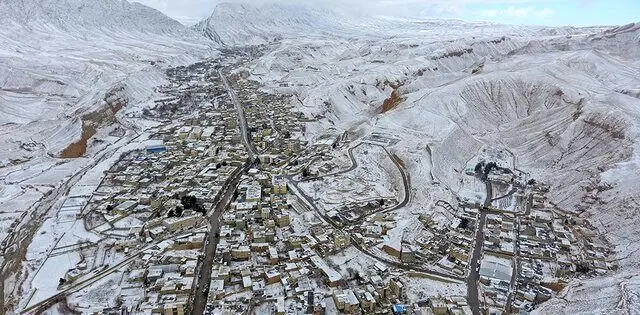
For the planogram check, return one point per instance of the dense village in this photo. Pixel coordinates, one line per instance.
(228, 209)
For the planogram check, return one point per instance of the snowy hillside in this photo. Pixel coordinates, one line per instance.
(563, 100)
(59, 58)
(62, 59)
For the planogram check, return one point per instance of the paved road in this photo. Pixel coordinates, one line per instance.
(474, 275)
(204, 275)
(406, 182)
(354, 165)
(516, 258)
(516, 272)
(23, 234)
(204, 278)
(244, 134)
(365, 251)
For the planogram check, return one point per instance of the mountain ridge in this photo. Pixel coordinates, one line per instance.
(76, 15)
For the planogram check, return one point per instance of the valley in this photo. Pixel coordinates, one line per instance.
(284, 158)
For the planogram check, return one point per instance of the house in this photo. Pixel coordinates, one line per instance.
(156, 148)
(333, 277)
(273, 255)
(396, 288)
(241, 253)
(438, 306)
(393, 246)
(279, 185)
(283, 220)
(367, 301)
(179, 224)
(346, 301)
(280, 307)
(253, 193)
(125, 207)
(272, 276)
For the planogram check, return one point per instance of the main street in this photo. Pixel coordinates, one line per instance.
(242, 120)
(474, 272)
(204, 275)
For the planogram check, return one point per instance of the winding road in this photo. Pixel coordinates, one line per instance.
(407, 188)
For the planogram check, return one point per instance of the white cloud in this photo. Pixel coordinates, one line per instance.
(544, 13)
(516, 12)
(488, 13)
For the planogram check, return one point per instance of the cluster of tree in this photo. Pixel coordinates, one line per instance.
(583, 267)
(483, 170)
(353, 274)
(478, 168)
(464, 223)
(177, 212)
(191, 202)
(488, 168)
(188, 202)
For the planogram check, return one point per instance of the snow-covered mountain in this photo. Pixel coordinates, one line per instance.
(237, 24)
(564, 100)
(255, 24)
(59, 58)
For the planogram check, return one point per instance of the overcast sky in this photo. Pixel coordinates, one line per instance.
(534, 12)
